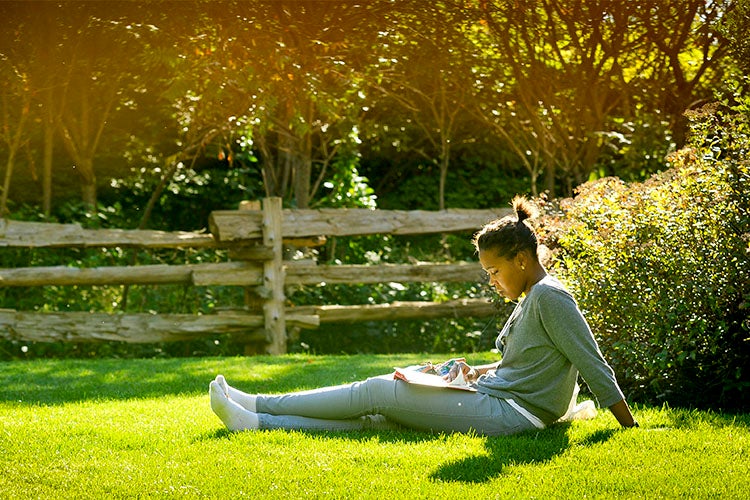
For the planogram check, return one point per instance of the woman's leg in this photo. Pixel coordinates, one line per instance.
(410, 405)
(237, 418)
(294, 422)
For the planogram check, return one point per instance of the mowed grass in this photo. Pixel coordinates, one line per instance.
(143, 428)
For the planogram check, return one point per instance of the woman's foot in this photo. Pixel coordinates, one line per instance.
(247, 401)
(222, 384)
(234, 416)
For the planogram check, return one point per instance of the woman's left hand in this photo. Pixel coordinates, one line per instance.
(470, 374)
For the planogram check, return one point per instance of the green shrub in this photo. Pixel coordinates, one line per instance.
(661, 268)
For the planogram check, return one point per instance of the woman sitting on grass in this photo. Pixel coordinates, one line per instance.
(545, 343)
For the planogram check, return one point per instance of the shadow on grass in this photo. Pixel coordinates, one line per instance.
(214, 435)
(50, 382)
(503, 452)
(383, 436)
(534, 447)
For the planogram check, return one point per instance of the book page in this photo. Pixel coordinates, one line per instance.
(426, 379)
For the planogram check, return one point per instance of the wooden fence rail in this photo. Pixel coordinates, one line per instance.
(254, 240)
(236, 274)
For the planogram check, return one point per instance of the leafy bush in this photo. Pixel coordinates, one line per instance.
(661, 268)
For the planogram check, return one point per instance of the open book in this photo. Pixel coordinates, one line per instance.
(432, 376)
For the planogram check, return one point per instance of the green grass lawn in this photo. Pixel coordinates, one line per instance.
(143, 428)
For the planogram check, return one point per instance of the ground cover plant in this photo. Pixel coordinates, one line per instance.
(143, 428)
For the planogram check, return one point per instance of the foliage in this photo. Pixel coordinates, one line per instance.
(662, 268)
(736, 27)
(559, 79)
(190, 195)
(143, 428)
(480, 184)
(347, 189)
(291, 80)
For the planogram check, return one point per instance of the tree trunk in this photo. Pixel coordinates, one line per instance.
(14, 144)
(85, 169)
(6, 184)
(443, 177)
(303, 172)
(303, 161)
(49, 144)
(549, 178)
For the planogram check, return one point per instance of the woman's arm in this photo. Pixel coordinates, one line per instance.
(482, 369)
(621, 411)
(471, 373)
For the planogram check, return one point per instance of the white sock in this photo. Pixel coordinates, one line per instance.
(247, 401)
(235, 417)
(222, 384)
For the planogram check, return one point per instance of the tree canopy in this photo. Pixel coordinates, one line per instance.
(302, 94)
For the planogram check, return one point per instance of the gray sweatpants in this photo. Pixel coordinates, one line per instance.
(385, 403)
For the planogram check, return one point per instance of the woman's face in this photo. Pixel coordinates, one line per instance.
(507, 276)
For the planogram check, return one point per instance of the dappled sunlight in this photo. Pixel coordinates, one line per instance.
(54, 382)
(61, 381)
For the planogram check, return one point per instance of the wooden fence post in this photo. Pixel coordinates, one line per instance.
(253, 301)
(274, 276)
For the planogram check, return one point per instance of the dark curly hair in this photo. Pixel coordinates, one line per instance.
(512, 234)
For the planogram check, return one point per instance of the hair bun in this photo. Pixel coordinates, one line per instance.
(524, 208)
(509, 236)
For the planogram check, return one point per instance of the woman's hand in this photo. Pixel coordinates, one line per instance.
(621, 411)
(470, 374)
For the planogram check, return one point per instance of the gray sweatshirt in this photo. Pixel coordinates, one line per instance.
(545, 343)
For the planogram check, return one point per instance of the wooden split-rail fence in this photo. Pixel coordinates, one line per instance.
(255, 238)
